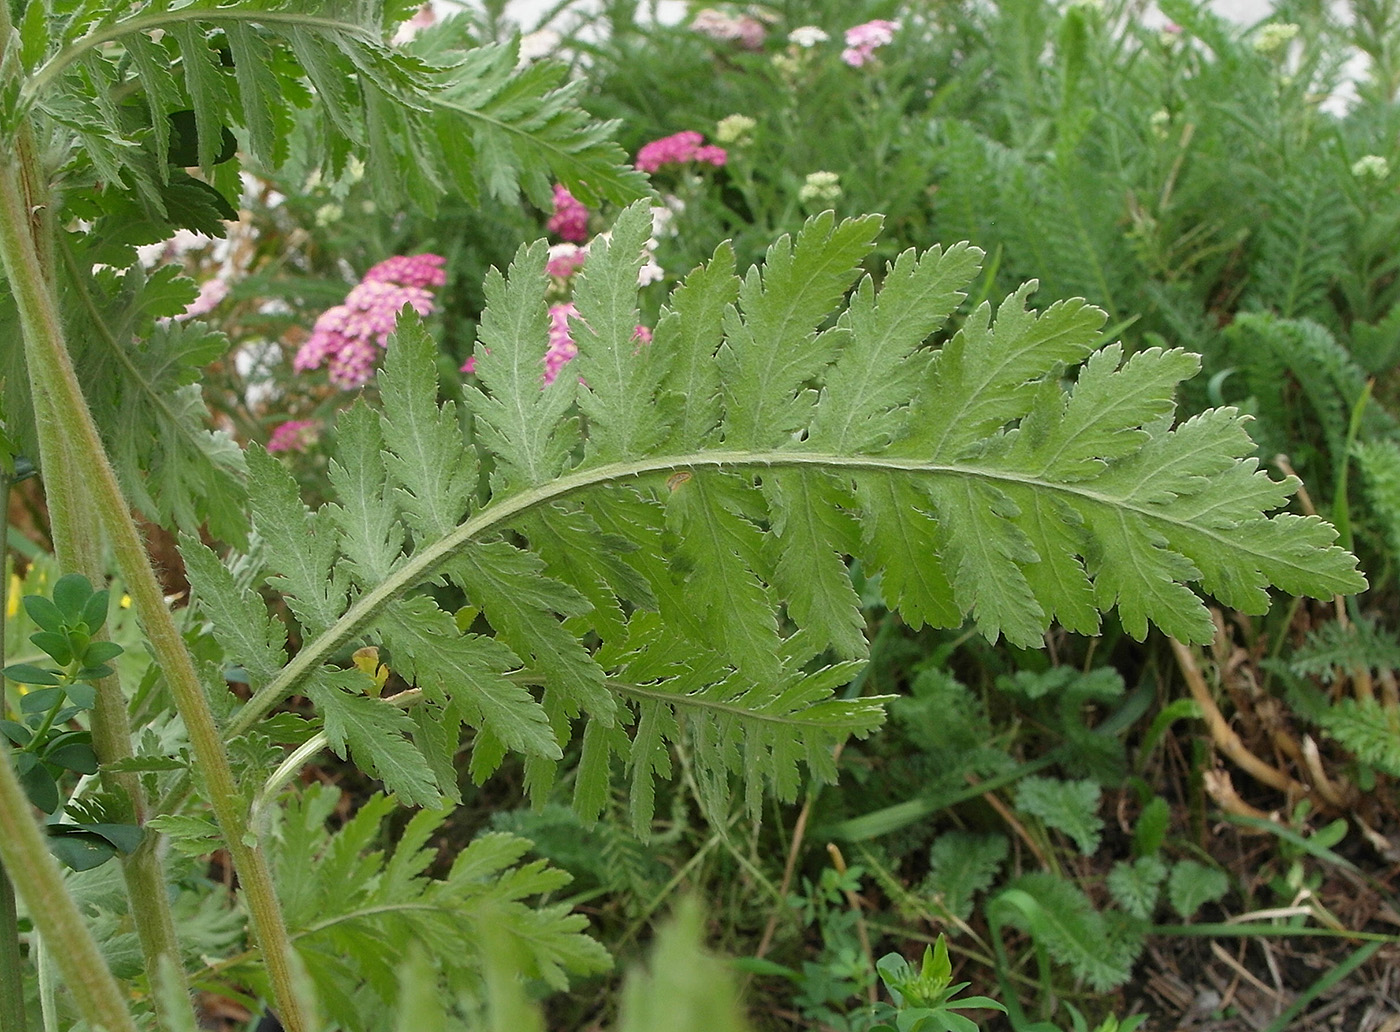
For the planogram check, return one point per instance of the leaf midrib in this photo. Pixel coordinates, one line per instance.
(428, 560)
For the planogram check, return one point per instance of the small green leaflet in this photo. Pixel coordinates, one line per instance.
(374, 730)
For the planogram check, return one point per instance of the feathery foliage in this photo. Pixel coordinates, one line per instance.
(355, 910)
(1371, 731)
(129, 95)
(963, 864)
(1068, 806)
(711, 567)
(421, 118)
(1302, 243)
(1098, 947)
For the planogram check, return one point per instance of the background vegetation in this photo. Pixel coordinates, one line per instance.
(1098, 833)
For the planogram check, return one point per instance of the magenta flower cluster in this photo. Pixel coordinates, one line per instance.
(348, 338)
(680, 149)
(863, 40)
(561, 344)
(570, 218)
(562, 347)
(565, 260)
(293, 435)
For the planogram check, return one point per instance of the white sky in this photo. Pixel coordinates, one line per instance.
(528, 12)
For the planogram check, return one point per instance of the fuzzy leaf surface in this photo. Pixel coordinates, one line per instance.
(685, 574)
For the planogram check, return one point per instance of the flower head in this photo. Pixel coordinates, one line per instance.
(347, 338)
(419, 270)
(807, 36)
(1371, 166)
(570, 218)
(1274, 37)
(863, 40)
(820, 187)
(293, 435)
(748, 32)
(735, 129)
(679, 149)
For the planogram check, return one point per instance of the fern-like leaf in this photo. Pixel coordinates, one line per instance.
(1062, 920)
(1335, 648)
(1302, 243)
(1068, 806)
(457, 115)
(713, 601)
(356, 910)
(1371, 731)
(961, 865)
(1379, 462)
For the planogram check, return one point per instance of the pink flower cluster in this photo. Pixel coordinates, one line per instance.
(293, 435)
(570, 218)
(211, 293)
(562, 347)
(748, 32)
(862, 40)
(565, 260)
(680, 149)
(349, 337)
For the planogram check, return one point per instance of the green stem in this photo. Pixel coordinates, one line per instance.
(25, 852)
(63, 416)
(11, 964)
(76, 531)
(1341, 509)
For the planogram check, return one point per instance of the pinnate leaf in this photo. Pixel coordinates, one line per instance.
(686, 573)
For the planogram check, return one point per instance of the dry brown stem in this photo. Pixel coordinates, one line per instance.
(1223, 735)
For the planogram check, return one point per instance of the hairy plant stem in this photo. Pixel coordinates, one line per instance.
(72, 453)
(79, 547)
(35, 873)
(11, 964)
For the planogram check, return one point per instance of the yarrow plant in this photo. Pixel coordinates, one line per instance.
(863, 40)
(570, 219)
(349, 338)
(565, 260)
(1274, 37)
(735, 130)
(806, 36)
(680, 148)
(742, 29)
(295, 435)
(1372, 167)
(820, 188)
